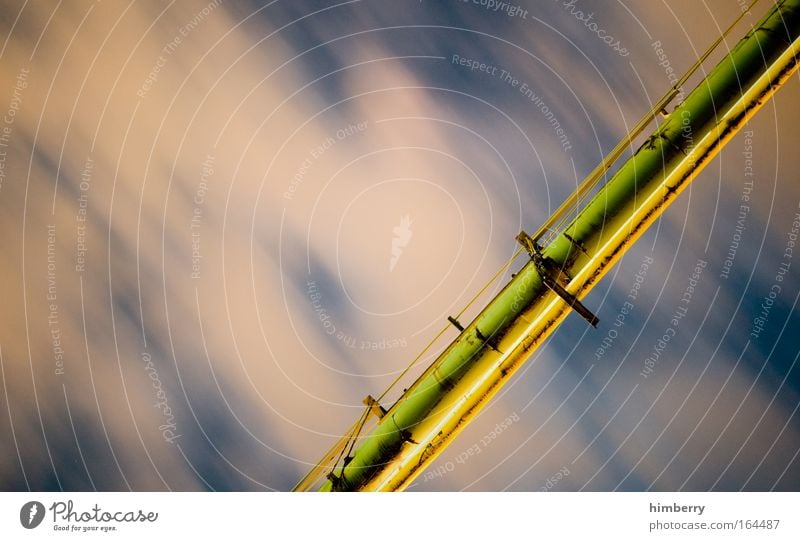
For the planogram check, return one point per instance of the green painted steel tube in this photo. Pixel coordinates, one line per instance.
(470, 371)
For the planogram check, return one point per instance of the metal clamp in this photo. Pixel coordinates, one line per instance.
(550, 274)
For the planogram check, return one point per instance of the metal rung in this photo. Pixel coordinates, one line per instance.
(455, 323)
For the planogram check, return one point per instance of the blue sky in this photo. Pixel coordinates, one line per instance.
(244, 172)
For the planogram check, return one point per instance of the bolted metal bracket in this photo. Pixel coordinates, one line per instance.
(374, 407)
(550, 274)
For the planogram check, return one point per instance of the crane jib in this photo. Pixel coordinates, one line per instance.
(488, 351)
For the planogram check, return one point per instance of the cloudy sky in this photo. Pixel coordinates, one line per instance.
(225, 223)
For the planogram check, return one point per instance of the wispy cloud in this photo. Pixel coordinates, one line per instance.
(174, 177)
